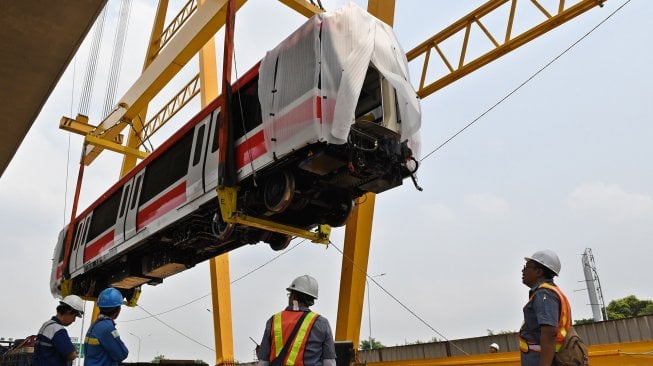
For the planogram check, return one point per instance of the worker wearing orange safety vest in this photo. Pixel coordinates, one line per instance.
(297, 336)
(547, 314)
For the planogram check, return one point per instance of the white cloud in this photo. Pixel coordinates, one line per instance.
(488, 204)
(439, 213)
(609, 202)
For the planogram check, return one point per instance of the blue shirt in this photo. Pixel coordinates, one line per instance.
(103, 344)
(542, 309)
(53, 345)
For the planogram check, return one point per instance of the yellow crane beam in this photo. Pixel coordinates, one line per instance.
(188, 40)
(176, 103)
(462, 67)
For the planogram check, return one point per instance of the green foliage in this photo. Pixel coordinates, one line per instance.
(372, 343)
(490, 332)
(629, 306)
(158, 358)
(584, 321)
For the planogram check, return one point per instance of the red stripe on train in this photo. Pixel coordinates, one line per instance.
(100, 245)
(250, 149)
(164, 204)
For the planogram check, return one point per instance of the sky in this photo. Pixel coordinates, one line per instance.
(562, 163)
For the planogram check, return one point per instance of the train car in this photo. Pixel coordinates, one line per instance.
(325, 117)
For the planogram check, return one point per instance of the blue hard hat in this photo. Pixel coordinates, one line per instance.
(109, 298)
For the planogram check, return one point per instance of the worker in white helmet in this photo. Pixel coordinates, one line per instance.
(494, 348)
(53, 345)
(547, 314)
(296, 335)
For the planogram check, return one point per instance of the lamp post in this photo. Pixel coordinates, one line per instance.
(369, 308)
(138, 354)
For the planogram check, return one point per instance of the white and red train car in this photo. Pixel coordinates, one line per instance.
(327, 116)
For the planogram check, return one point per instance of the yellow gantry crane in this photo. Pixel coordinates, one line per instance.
(191, 33)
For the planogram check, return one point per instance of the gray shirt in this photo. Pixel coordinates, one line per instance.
(319, 347)
(544, 309)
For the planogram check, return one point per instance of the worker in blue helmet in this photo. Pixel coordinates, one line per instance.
(103, 344)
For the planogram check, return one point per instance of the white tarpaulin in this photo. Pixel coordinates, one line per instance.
(322, 66)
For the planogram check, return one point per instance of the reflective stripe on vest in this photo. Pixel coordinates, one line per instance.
(564, 320)
(282, 325)
(92, 341)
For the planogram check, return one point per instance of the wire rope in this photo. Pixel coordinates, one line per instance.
(91, 64)
(117, 56)
(412, 312)
(524, 82)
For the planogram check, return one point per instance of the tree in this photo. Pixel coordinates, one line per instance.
(371, 343)
(629, 306)
(158, 358)
(584, 321)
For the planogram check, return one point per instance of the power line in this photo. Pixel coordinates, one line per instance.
(371, 278)
(207, 295)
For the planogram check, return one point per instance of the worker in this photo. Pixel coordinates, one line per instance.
(53, 345)
(103, 344)
(494, 348)
(547, 314)
(297, 336)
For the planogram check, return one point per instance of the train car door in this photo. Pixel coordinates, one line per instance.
(195, 177)
(119, 228)
(131, 217)
(79, 244)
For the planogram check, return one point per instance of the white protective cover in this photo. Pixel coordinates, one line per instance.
(350, 40)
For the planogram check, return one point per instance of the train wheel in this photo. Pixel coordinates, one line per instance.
(342, 204)
(221, 229)
(278, 241)
(278, 191)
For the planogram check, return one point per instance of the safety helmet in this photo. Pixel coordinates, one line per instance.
(74, 302)
(547, 258)
(304, 284)
(109, 298)
(495, 346)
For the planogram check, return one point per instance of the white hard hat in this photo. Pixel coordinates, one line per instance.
(304, 284)
(74, 302)
(547, 258)
(495, 346)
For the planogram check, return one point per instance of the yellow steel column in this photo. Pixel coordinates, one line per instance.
(129, 161)
(357, 237)
(219, 266)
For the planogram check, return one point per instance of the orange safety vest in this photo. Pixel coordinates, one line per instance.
(283, 324)
(564, 320)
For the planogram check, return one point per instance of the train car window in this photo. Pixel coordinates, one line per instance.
(61, 249)
(199, 142)
(104, 216)
(124, 201)
(216, 137)
(167, 168)
(134, 194)
(370, 97)
(246, 109)
(78, 231)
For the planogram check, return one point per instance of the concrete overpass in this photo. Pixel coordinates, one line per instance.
(38, 40)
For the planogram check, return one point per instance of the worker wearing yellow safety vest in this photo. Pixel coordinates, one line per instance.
(547, 314)
(297, 336)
